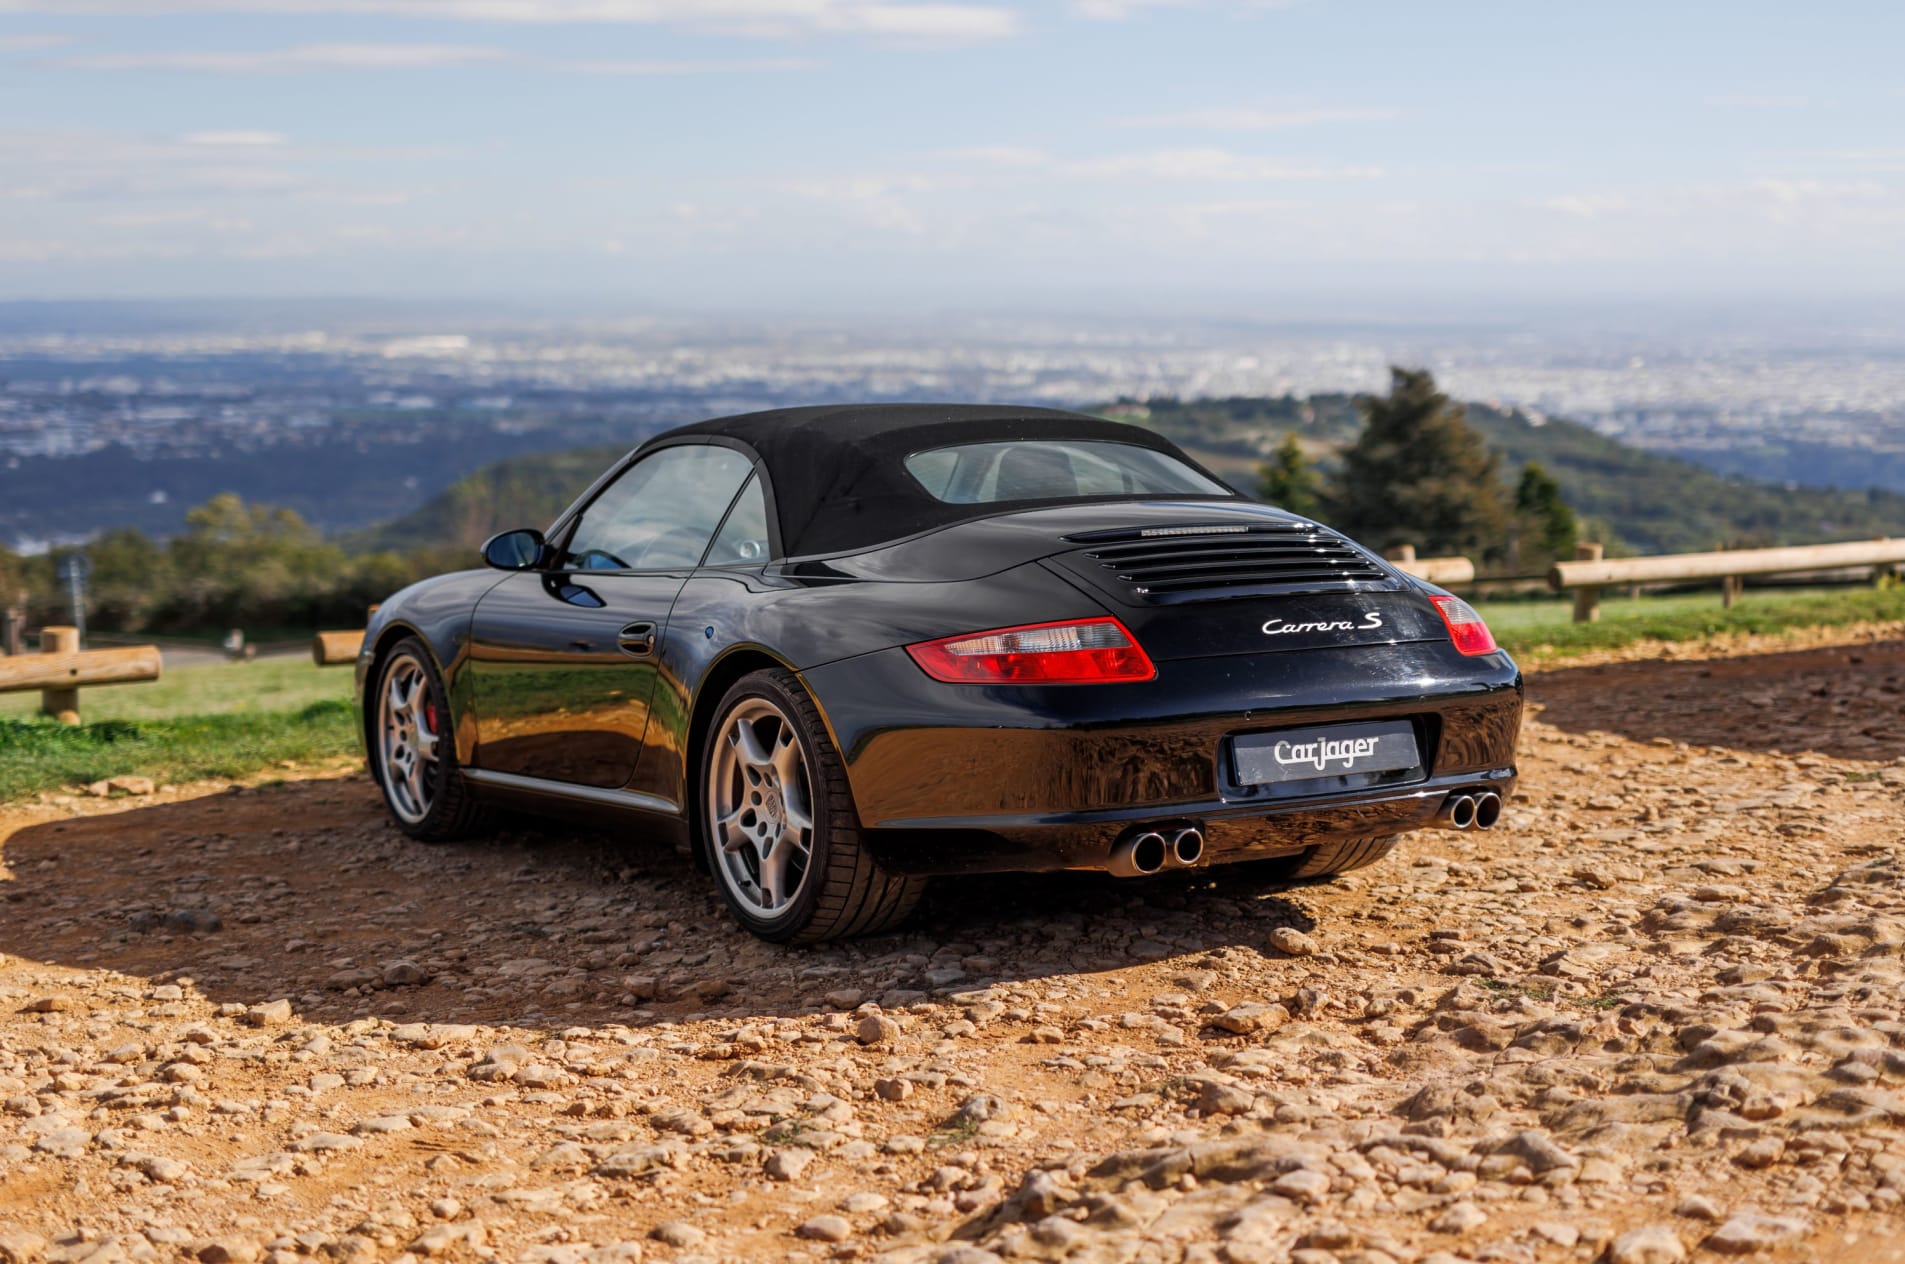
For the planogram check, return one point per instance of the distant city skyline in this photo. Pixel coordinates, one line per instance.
(861, 154)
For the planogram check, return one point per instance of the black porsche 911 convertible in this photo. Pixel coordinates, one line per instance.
(833, 651)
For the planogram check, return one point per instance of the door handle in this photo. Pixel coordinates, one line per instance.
(637, 639)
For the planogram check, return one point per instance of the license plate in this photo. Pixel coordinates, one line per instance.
(1336, 750)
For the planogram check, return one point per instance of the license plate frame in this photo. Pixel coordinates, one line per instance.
(1326, 756)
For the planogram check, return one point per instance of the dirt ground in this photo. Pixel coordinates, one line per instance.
(1656, 1015)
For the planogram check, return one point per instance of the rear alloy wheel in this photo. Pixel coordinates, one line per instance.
(412, 750)
(778, 821)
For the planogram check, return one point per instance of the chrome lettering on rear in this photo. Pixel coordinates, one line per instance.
(1277, 627)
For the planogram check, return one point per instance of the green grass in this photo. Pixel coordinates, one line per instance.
(263, 685)
(1546, 629)
(40, 754)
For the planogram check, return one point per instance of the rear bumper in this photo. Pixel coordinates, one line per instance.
(1231, 833)
(951, 778)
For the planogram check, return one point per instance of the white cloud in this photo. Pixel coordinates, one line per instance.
(1206, 163)
(245, 140)
(1208, 219)
(1584, 205)
(1738, 223)
(303, 57)
(902, 20)
(310, 57)
(1730, 101)
(1776, 198)
(1246, 207)
(76, 164)
(1790, 192)
(1874, 161)
(999, 155)
(31, 43)
(664, 68)
(1119, 10)
(198, 217)
(1252, 119)
(859, 188)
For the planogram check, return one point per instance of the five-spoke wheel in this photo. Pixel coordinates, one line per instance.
(413, 753)
(407, 725)
(760, 806)
(778, 822)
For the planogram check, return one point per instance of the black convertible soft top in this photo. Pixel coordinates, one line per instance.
(838, 472)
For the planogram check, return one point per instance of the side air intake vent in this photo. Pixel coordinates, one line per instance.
(1226, 562)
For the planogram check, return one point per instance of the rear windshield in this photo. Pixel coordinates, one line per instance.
(1072, 469)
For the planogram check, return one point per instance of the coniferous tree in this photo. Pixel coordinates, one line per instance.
(1287, 480)
(1546, 528)
(1419, 475)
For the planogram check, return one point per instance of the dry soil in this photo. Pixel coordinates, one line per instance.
(1656, 1015)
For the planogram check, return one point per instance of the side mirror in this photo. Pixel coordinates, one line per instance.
(518, 550)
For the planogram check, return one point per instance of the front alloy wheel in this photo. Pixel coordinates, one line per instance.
(407, 725)
(412, 748)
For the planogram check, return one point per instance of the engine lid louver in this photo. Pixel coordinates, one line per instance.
(1165, 566)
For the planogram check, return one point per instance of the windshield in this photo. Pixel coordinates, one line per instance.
(1072, 469)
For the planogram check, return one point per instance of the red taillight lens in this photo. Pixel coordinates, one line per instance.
(1084, 652)
(1466, 629)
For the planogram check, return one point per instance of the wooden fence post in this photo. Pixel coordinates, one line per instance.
(1402, 554)
(62, 704)
(1587, 601)
(12, 632)
(1731, 589)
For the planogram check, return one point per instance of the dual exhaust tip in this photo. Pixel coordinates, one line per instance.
(1470, 811)
(1145, 852)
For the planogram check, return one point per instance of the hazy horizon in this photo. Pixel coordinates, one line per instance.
(1873, 322)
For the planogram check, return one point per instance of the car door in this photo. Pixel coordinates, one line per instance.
(563, 660)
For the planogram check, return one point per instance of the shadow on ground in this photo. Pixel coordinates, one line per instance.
(1848, 702)
(316, 898)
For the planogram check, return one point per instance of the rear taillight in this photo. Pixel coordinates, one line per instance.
(1087, 651)
(1466, 629)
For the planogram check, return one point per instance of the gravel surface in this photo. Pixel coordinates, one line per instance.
(1655, 1016)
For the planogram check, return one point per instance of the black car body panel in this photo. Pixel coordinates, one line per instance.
(588, 690)
(1061, 771)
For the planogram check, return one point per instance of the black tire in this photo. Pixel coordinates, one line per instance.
(1326, 860)
(842, 890)
(450, 810)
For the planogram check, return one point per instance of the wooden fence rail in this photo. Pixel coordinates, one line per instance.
(1589, 572)
(1436, 570)
(61, 668)
(336, 649)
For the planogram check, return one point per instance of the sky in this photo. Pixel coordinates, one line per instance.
(843, 154)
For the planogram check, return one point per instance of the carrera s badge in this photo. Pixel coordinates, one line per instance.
(1277, 627)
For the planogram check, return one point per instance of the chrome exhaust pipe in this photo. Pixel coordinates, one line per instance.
(1488, 809)
(1457, 812)
(1138, 856)
(1187, 846)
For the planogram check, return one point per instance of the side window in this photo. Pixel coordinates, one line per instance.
(743, 537)
(660, 513)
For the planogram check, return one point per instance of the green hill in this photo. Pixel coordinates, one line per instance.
(524, 491)
(1653, 503)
